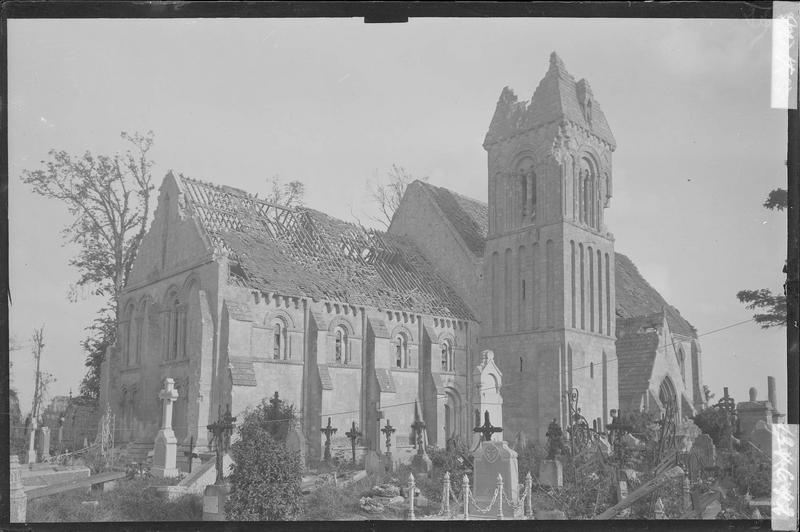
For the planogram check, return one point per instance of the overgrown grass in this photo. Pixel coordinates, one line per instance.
(329, 502)
(132, 500)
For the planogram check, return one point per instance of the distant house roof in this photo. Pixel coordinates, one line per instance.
(303, 252)
(468, 216)
(242, 371)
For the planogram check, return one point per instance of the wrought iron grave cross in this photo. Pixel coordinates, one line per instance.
(388, 430)
(328, 432)
(487, 429)
(221, 430)
(353, 434)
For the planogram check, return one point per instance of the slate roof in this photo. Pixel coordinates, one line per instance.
(636, 354)
(557, 98)
(242, 371)
(469, 217)
(636, 297)
(379, 328)
(325, 377)
(385, 380)
(303, 252)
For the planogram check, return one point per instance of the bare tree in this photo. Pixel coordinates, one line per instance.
(387, 195)
(289, 194)
(109, 200)
(42, 379)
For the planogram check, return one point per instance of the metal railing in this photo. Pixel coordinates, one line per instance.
(470, 506)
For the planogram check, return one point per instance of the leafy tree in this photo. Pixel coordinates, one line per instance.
(265, 480)
(771, 308)
(715, 423)
(102, 335)
(387, 195)
(707, 393)
(108, 197)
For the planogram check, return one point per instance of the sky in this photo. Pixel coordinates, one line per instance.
(335, 103)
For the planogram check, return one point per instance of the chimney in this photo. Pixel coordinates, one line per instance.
(771, 393)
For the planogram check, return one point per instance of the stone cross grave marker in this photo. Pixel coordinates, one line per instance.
(353, 434)
(487, 429)
(165, 450)
(328, 431)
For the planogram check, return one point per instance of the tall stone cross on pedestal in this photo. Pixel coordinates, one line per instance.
(166, 444)
(487, 429)
(328, 432)
(353, 434)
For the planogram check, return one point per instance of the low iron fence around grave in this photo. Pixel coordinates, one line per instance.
(466, 507)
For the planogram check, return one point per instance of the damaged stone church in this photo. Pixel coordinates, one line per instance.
(236, 298)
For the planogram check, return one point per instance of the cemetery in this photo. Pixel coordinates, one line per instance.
(716, 466)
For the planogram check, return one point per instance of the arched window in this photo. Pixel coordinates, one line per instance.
(448, 363)
(591, 370)
(174, 338)
(278, 340)
(401, 351)
(668, 396)
(125, 325)
(175, 329)
(523, 178)
(682, 364)
(342, 352)
(139, 338)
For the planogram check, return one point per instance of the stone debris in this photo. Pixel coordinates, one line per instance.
(370, 505)
(385, 490)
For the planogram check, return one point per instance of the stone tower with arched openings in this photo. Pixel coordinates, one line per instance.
(549, 260)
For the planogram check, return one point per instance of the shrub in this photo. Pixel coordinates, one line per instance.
(265, 478)
(714, 422)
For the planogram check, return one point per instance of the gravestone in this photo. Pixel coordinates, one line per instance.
(17, 498)
(165, 450)
(296, 441)
(686, 433)
(490, 459)
(43, 449)
(373, 464)
(551, 473)
(751, 412)
(31, 437)
(705, 451)
(761, 437)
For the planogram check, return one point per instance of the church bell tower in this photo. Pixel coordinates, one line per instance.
(549, 260)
